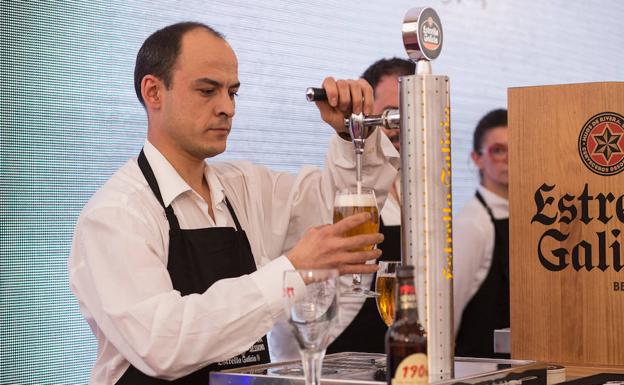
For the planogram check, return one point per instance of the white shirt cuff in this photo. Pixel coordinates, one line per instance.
(270, 280)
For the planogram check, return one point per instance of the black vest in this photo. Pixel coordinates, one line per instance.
(489, 308)
(197, 259)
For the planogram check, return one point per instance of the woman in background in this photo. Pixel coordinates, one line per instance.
(481, 245)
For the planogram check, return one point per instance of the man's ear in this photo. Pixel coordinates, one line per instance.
(476, 158)
(151, 90)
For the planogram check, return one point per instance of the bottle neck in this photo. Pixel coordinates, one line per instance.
(407, 305)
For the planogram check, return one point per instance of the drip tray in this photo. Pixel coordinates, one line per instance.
(370, 368)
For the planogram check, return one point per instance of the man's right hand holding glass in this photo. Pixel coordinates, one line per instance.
(326, 247)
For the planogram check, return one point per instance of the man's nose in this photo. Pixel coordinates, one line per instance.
(225, 105)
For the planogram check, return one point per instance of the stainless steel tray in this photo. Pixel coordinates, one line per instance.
(369, 369)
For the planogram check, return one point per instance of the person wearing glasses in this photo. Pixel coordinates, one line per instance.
(481, 245)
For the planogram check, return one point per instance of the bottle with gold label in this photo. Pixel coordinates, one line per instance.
(406, 342)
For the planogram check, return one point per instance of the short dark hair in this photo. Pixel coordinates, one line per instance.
(491, 120)
(160, 51)
(383, 67)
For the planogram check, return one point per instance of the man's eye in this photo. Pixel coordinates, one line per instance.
(206, 91)
(233, 94)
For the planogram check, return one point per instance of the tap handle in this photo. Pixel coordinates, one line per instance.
(315, 94)
(359, 124)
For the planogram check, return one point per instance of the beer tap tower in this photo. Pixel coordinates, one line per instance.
(426, 215)
(424, 120)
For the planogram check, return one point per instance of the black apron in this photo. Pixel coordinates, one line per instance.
(197, 259)
(489, 308)
(367, 331)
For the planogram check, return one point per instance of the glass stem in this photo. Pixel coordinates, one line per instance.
(312, 363)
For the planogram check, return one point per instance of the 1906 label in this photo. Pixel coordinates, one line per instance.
(413, 370)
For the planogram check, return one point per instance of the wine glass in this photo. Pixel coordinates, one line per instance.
(311, 299)
(385, 286)
(350, 201)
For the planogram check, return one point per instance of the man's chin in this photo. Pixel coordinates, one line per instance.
(209, 152)
(214, 151)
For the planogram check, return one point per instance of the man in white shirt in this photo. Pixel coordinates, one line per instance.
(481, 245)
(177, 264)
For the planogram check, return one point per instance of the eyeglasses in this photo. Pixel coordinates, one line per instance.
(497, 151)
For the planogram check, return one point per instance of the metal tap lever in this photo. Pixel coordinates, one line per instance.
(389, 118)
(358, 131)
(359, 127)
(314, 94)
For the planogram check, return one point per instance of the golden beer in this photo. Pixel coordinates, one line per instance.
(385, 286)
(351, 203)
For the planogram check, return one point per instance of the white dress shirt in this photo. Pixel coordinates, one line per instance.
(118, 263)
(473, 245)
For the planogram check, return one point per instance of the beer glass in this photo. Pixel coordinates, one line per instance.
(385, 286)
(352, 201)
(312, 307)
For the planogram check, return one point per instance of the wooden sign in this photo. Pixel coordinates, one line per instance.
(566, 194)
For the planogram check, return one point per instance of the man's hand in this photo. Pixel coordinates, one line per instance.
(326, 247)
(343, 98)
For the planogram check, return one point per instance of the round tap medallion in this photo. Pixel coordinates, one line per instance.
(430, 33)
(422, 33)
(601, 143)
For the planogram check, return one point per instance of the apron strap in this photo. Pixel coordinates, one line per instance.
(146, 169)
(233, 214)
(148, 173)
(487, 208)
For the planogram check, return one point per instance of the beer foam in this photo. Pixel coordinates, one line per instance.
(355, 200)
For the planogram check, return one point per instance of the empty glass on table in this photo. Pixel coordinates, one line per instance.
(312, 311)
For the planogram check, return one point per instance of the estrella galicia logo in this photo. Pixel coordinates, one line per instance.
(430, 35)
(601, 143)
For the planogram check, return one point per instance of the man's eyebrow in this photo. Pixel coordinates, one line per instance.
(212, 82)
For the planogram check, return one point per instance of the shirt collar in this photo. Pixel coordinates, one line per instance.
(171, 184)
(216, 188)
(498, 204)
